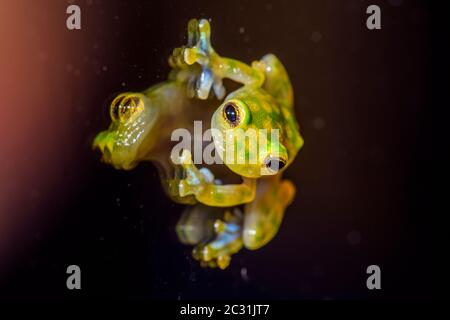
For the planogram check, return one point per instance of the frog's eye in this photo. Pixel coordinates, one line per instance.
(275, 164)
(235, 113)
(115, 106)
(128, 107)
(123, 107)
(231, 113)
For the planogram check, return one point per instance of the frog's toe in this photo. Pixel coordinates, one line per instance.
(194, 55)
(204, 83)
(204, 29)
(207, 257)
(190, 186)
(228, 240)
(218, 87)
(222, 262)
(176, 59)
(193, 32)
(184, 188)
(207, 174)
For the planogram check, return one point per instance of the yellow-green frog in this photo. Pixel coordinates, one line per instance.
(141, 128)
(264, 104)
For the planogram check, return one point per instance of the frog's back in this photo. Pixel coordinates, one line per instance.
(278, 85)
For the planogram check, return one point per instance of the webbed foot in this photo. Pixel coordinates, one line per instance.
(201, 184)
(227, 241)
(215, 234)
(199, 50)
(196, 179)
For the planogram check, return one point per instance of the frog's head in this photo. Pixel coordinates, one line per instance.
(132, 118)
(247, 133)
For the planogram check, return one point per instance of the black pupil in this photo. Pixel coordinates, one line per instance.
(231, 113)
(275, 164)
(116, 107)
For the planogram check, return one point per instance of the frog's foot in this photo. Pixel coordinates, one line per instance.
(207, 190)
(196, 179)
(228, 241)
(199, 50)
(176, 60)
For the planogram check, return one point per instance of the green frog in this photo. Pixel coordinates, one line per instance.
(224, 216)
(263, 104)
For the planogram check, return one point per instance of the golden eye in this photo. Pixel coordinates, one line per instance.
(124, 106)
(128, 107)
(115, 106)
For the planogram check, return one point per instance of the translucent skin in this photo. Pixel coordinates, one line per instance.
(143, 122)
(143, 133)
(265, 101)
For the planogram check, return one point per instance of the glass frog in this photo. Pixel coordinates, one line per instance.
(264, 102)
(141, 128)
(142, 123)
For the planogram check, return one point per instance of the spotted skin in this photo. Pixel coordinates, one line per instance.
(222, 218)
(264, 103)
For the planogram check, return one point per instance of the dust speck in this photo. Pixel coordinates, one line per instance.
(319, 123)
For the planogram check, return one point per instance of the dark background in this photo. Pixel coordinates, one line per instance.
(363, 99)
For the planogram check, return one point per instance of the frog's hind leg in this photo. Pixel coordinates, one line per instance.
(278, 85)
(217, 234)
(277, 82)
(263, 216)
(227, 241)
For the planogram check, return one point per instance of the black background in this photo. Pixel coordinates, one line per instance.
(364, 102)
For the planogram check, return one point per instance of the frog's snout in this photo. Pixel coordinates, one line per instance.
(103, 143)
(113, 150)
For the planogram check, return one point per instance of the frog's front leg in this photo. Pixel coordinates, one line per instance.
(200, 183)
(263, 216)
(215, 67)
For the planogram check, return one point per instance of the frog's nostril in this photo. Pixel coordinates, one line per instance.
(275, 164)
